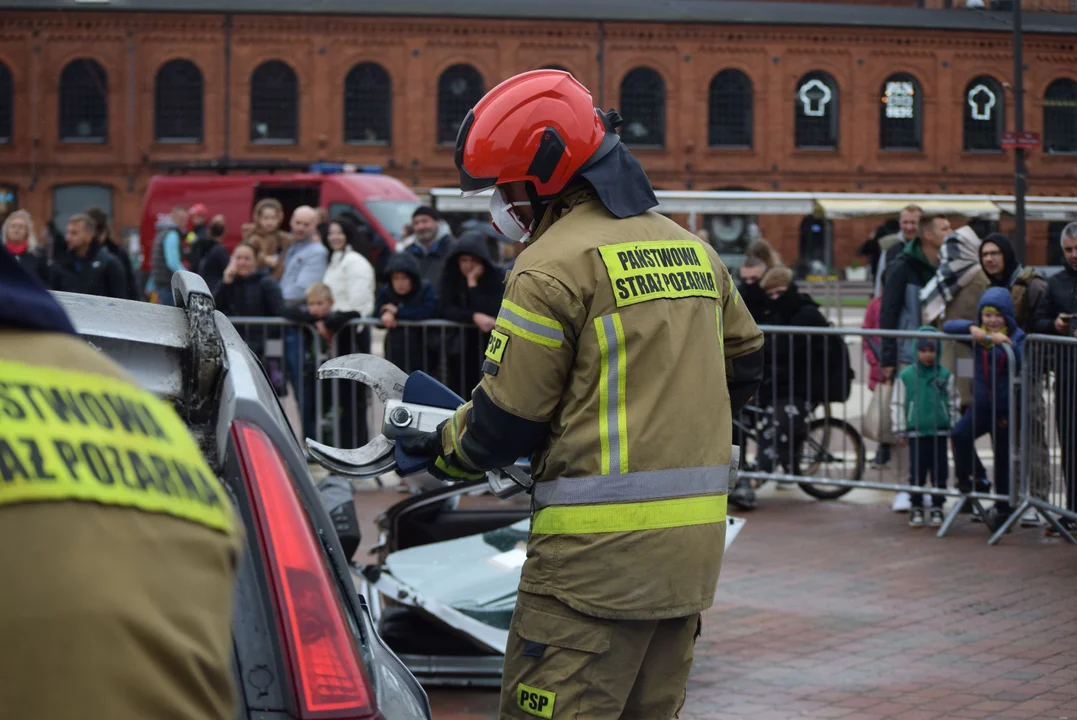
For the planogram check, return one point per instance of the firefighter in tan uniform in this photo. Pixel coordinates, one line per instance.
(621, 353)
(119, 543)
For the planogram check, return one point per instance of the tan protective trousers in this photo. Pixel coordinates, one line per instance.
(561, 664)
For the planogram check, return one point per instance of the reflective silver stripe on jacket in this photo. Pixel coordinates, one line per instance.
(517, 320)
(632, 487)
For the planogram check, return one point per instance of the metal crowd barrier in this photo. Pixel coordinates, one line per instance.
(791, 432)
(1049, 431)
(338, 412)
(797, 420)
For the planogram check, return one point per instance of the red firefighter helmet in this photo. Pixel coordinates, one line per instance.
(540, 126)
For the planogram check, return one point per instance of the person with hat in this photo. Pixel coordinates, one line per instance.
(619, 356)
(433, 243)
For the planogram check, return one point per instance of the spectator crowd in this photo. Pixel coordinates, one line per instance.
(932, 279)
(321, 273)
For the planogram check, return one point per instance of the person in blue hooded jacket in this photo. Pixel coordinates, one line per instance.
(989, 413)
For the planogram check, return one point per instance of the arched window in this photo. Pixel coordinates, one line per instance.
(7, 103)
(368, 105)
(1060, 117)
(729, 122)
(901, 114)
(816, 116)
(459, 88)
(274, 103)
(84, 102)
(984, 114)
(643, 107)
(177, 103)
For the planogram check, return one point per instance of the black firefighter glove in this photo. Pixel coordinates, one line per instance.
(429, 445)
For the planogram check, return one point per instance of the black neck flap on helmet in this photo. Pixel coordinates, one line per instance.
(617, 176)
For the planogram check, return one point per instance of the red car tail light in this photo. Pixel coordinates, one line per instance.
(326, 672)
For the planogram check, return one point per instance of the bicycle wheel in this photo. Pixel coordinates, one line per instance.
(833, 449)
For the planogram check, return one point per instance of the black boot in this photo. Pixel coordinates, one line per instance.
(743, 496)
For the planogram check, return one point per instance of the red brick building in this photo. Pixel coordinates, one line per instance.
(902, 96)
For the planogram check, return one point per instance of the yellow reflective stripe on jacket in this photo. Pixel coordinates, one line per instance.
(455, 472)
(721, 332)
(69, 435)
(530, 326)
(612, 413)
(629, 517)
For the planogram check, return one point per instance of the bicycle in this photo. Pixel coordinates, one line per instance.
(828, 441)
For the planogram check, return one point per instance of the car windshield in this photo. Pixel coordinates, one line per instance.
(472, 578)
(393, 215)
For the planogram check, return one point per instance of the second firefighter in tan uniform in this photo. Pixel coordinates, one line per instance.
(119, 542)
(612, 364)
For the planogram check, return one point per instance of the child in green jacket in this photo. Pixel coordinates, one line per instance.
(924, 408)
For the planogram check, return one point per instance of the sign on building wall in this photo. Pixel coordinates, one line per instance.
(814, 96)
(900, 100)
(982, 101)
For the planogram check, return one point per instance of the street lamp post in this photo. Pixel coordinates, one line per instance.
(1020, 184)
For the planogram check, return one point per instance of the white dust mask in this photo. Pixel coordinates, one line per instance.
(505, 218)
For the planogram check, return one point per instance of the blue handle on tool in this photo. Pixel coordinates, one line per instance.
(421, 389)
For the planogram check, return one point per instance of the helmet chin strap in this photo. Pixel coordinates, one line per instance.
(538, 205)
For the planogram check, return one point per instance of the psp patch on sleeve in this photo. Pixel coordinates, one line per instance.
(534, 701)
(495, 350)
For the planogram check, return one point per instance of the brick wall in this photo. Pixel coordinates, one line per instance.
(131, 47)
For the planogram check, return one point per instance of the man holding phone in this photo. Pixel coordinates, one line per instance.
(1058, 316)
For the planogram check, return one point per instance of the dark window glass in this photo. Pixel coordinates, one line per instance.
(368, 105)
(177, 102)
(1055, 256)
(729, 121)
(84, 102)
(1060, 117)
(816, 116)
(984, 114)
(7, 103)
(901, 113)
(643, 107)
(459, 88)
(274, 103)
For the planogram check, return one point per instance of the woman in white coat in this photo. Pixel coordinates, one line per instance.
(350, 278)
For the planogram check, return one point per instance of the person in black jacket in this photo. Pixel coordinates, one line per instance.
(214, 256)
(806, 370)
(1057, 315)
(103, 235)
(408, 297)
(19, 238)
(245, 291)
(87, 267)
(905, 277)
(470, 294)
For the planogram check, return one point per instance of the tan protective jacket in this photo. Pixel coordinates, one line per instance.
(119, 546)
(619, 333)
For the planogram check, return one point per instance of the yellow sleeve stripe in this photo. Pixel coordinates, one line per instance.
(530, 326)
(528, 315)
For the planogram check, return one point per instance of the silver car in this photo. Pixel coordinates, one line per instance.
(305, 645)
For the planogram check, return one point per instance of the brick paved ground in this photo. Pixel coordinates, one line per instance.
(838, 610)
